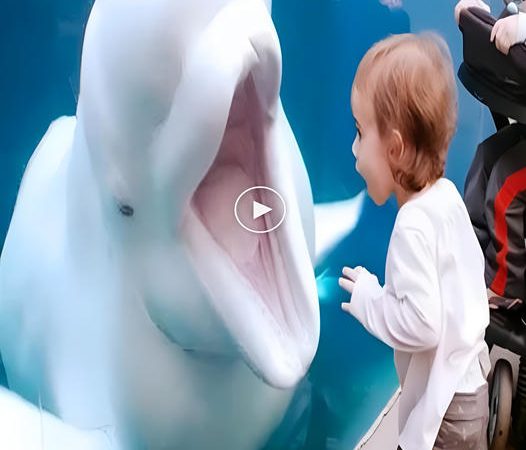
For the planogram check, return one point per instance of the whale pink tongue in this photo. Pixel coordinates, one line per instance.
(214, 200)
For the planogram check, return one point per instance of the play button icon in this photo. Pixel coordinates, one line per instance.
(260, 209)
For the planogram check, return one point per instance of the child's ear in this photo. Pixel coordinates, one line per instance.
(396, 147)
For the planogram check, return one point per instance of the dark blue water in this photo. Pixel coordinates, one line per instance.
(322, 41)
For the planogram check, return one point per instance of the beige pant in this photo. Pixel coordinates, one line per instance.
(465, 423)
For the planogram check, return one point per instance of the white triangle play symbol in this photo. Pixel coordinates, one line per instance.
(259, 209)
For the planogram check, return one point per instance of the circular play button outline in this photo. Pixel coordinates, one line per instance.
(268, 189)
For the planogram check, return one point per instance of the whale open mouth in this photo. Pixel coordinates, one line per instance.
(261, 285)
(239, 165)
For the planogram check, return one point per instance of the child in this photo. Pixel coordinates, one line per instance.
(432, 309)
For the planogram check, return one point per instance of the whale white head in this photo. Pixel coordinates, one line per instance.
(179, 113)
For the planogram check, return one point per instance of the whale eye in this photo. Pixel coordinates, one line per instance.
(126, 210)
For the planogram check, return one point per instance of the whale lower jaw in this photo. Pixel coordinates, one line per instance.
(272, 316)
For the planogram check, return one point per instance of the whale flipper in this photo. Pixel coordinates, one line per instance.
(334, 221)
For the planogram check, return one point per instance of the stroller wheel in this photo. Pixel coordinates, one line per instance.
(500, 400)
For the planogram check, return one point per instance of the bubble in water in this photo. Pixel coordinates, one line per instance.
(392, 4)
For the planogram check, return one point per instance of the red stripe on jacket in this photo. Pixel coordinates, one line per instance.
(514, 184)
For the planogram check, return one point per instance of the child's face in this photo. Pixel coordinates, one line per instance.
(370, 150)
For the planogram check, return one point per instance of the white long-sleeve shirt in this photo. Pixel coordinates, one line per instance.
(432, 310)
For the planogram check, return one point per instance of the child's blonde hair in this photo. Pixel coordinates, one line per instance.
(410, 80)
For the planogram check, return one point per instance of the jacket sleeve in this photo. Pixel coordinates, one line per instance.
(405, 314)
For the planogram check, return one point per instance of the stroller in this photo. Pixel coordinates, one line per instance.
(499, 82)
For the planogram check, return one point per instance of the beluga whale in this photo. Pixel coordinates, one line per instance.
(130, 298)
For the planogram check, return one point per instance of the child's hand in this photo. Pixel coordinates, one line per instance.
(462, 4)
(505, 33)
(347, 282)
